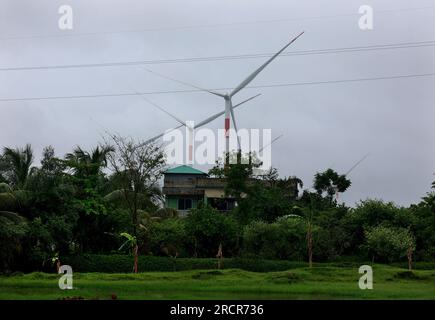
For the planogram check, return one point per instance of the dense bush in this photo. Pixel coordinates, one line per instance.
(284, 239)
(208, 228)
(169, 238)
(124, 264)
(389, 244)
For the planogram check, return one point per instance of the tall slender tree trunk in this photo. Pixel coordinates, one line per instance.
(135, 258)
(310, 245)
(220, 257)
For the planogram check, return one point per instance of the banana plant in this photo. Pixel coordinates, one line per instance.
(132, 242)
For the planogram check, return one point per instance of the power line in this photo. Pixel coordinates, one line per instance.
(203, 26)
(392, 46)
(220, 89)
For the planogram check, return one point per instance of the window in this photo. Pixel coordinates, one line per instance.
(184, 204)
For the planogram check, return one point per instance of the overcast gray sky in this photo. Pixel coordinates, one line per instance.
(324, 125)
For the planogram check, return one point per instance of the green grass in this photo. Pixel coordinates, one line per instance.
(324, 281)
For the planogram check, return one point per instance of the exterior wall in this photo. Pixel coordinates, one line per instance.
(172, 201)
(195, 187)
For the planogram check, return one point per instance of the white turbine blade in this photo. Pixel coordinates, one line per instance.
(185, 83)
(245, 82)
(200, 124)
(217, 115)
(160, 135)
(356, 164)
(279, 137)
(160, 108)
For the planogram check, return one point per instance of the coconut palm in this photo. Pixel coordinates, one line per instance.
(84, 163)
(17, 165)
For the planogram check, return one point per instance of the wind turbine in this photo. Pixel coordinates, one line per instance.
(229, 110)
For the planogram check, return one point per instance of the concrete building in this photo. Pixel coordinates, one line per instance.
(185, 187)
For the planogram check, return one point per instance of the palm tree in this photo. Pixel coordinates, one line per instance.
(17, 164)
(84, 163)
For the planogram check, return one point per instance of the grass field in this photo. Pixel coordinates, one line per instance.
(320, 282)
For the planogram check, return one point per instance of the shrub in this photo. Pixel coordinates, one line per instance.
(124, 264)
(168, 237)
(208, 228)
(284, 239)
(389, 244)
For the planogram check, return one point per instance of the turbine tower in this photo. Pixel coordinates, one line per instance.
(229, 113)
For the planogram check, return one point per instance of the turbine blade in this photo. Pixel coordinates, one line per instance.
(160, 108)
(245, 82)
(160, 135)
(185, 83)
(200, 124)
(356, 164)
(217, 115)
(262, 148)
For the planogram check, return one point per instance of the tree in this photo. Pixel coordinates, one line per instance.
(271, 197)
(136, 167)
(372, 213)
(51, 211)
(13, 228)
(87, 175)
(208, 228)
(17, 165)
(424, 225)
(237, 174)
(390, 244)
(330, 182)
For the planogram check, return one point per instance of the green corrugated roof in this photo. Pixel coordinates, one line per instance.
(185, 170)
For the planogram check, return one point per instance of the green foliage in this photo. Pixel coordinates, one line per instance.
(17, 165)
(131, 241)
(424, 226)
(76, 205)
(208, 228)
(169, 237)
(116, 263)
(267, 202)
(389, 244)
(330, 182)
(12, 229)
(284, 239)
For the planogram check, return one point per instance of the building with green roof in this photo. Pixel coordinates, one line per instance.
(185, 187)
